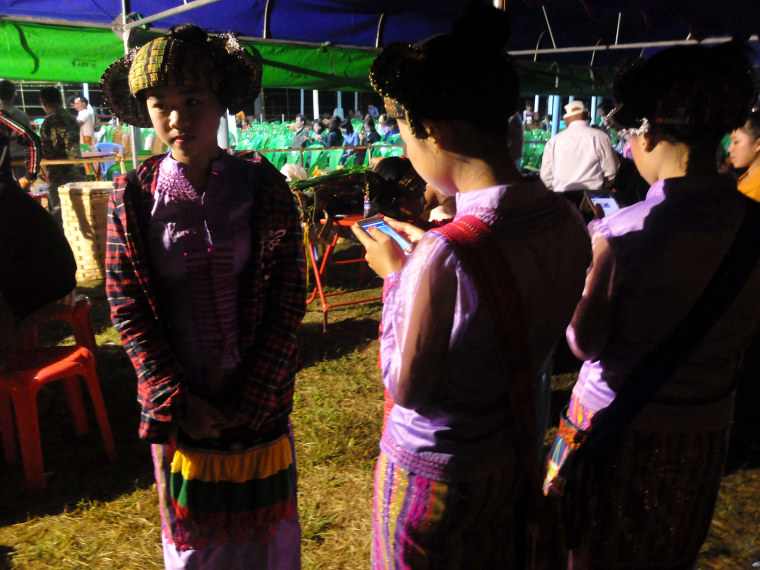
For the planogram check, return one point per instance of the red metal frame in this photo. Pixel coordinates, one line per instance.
(319, 270)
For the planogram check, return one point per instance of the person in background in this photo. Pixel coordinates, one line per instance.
(646, 498)
(515, 137)
(403, 195)
(12, 131)
(744, 151)
(205, 276)
(7, 100)
(382, 124)
(301, 134)
(37, 266)
(578, 158)
(334, 135)
(59, 135)
(86, 120)
(373, 112)
(317, 133)
(350, 138)
(457, 476)
(392, 129)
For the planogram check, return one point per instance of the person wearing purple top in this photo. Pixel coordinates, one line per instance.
(205, 276)
(450, 482)
(650, 495)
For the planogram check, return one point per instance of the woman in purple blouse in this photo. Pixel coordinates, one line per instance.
(450, 483)
(651, 493)
(205, 278)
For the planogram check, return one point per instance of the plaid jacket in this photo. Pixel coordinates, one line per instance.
(272, 304)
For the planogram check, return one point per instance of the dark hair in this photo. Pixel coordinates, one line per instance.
(302, 117)
(335, 124)
(348, 126)
(454, 75)
(400, 178)
(391, 123)
(752, 126)
(82, 98)
(689, 94)
(7, 90)
(369, 123)
(51, 96)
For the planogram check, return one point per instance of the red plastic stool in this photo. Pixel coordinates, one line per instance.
(31, 367)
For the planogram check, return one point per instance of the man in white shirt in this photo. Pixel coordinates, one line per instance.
(86, 120)
(579, 158)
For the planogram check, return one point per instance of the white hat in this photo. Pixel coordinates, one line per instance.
(573, 108)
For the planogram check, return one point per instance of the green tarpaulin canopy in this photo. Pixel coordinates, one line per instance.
(44, 52)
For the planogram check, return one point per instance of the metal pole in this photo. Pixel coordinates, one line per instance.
(536, 101)
(555, 114)
(303, 112)
(593, 109)
(315, 99)
(166, 13)
(339, 103)
(125, 9)
(356, 101)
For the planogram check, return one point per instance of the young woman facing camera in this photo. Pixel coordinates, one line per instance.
(205, 277)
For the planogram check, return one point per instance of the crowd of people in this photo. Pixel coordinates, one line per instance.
(206, 278)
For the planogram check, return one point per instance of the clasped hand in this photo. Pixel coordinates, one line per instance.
(384, 255)
(203, 420)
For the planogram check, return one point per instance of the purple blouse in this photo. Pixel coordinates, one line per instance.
(199, 243)
(665, 250)
(437, 337)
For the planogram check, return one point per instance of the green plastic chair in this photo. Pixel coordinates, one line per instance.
(113, 170)
(333, 157)
(350, 161)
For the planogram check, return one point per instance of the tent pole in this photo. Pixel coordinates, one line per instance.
(125, 9)
(303, 112)
(315, 99)
(554, 99)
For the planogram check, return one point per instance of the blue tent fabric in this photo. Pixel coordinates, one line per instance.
(356, 22)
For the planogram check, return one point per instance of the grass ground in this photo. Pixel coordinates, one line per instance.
(100, 514)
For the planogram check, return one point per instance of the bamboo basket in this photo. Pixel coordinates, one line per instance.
(84, 208)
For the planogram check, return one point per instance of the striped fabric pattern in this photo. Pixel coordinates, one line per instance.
(422, 523)
(12, 130)
(576, 417)
(243, 493)
(212, 498)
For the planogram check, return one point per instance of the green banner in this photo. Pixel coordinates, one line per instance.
(45, 52)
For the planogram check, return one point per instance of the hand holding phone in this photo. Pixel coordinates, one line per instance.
(382, 225)
(382, 254)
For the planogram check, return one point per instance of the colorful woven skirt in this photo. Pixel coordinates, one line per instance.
(572, 424)
(211, 498)
(422, 523)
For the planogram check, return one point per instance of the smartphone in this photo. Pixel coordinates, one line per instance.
(607, 201)
(382, 225)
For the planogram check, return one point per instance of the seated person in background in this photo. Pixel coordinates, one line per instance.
(60, 139)
(392, 129)
(334, 137)
(350, 138)
(317, 131)
(403, 196)
(37, 266)
(369, 135)
(301, 132)
(382, 124)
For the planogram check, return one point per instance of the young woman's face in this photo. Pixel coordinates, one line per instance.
(187, 119)
(425, 158)
(743, 150)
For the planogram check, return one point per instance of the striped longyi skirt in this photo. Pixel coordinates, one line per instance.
(422, 523)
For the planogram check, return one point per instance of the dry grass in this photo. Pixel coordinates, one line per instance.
(99, 514)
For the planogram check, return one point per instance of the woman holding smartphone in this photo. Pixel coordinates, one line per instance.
(459, 446)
